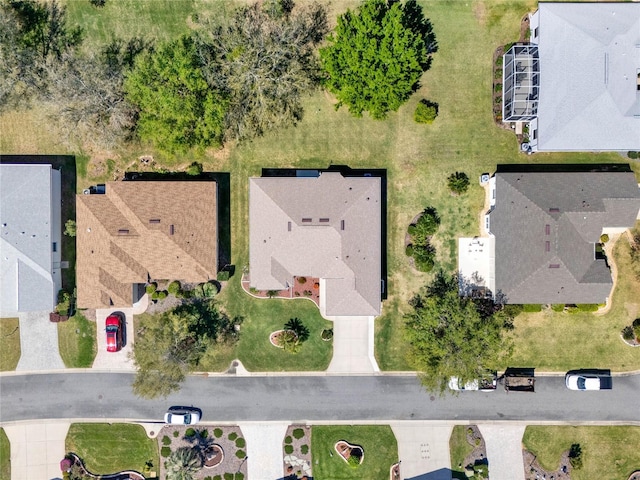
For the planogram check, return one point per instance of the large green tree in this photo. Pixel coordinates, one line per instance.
(171, 344)
(178, 108)
(265, 58)
(454, 336)
(377, 54)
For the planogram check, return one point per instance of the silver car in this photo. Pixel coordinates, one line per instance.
(182, 416)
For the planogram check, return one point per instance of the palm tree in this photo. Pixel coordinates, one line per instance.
(183, 464)
(296, 326)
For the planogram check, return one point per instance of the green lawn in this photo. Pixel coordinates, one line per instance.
(9, 343)
(378, 442)
(563, 341)
(608, 453)
(77, 341)
(459, 448)
(418, 159)
(106, 448)
(5, 456)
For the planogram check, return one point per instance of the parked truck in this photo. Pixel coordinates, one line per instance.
(519, 380)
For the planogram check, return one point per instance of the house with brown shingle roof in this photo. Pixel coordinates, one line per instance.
(327, 226)
(142, 231)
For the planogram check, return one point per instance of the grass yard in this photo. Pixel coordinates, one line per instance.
(106, 448)
(77, 341)
(5, 456)
(608, 453)
(9, 343)
(459, 448)
(560, 341)
(378, 442)
(418, 159)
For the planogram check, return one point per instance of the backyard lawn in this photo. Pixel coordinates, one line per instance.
(607, 452)
(378, 442)
(418, 159)
(5, 456)
(106, 448)
(77, 341)
(9, 343)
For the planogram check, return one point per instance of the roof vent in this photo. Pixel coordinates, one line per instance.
(341, 224)
(307, 220)
(547, 229)
(554, 210)
(324, 220)
(154, 220)
(547, 246)
(171, 229)
(123, 231)
(554, 265)
(289, 226)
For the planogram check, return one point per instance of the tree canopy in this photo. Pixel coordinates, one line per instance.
(178, 108)
(377, 54)
(169, 345)
(264, 58)
(452, 336)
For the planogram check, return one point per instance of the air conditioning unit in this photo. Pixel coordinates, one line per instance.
(86, 191)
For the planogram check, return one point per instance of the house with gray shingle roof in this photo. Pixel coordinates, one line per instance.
(577, 81)
(327, 226)
(546, 227)
(30, 244)
(143, 231)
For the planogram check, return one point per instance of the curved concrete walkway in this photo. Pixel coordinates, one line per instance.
(38, 342)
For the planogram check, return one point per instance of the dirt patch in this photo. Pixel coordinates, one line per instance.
(480, 12)
(533, 470)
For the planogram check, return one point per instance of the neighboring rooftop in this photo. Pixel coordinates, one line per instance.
(546, 226)
(30, 243)
(327, 226)
(589, 69)
(141, 231)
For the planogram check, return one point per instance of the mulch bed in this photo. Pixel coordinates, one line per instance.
(231, 463)
(533, 470)
(297, 464)
(309, 288)
(479, 452)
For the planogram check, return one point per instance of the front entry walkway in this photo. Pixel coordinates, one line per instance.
(423, 450)
(36, 449)
(504, 450)
(264, 449)
(38, 342)
(353, 342)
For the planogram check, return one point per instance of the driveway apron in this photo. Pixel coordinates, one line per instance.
(36, 449)
(38, 342)
(504, 451)
(353, 346)
(264, 449)
(423, 450)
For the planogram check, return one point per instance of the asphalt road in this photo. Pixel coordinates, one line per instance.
(317, 398)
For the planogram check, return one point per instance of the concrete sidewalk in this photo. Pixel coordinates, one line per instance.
(38, 342)
(423, 450)
(504, 450)
(36, 449)
(353, 345)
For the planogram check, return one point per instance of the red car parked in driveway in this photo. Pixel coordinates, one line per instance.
(115, 331)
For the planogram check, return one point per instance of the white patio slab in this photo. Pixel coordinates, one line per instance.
(476, 264)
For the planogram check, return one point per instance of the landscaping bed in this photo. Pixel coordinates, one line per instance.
(296, 449)
(468, 453)
(222, 450)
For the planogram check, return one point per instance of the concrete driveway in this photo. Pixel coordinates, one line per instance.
(423, 450)
(504, 450)
(36, 449)
(353, 346)
(38, 342)
(264, 449)
(114, 360)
